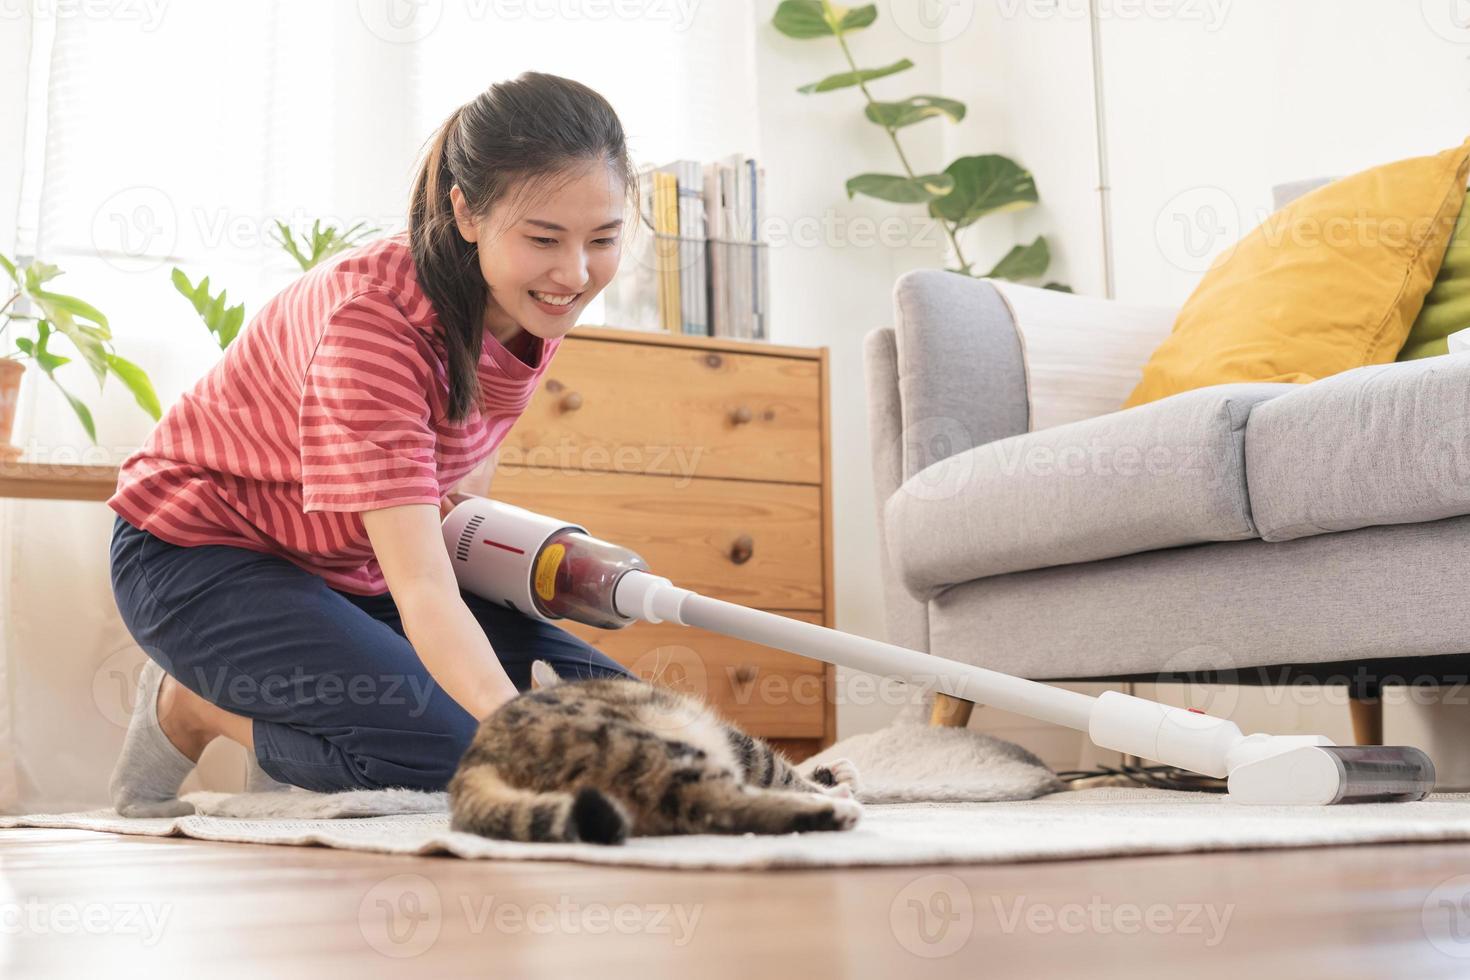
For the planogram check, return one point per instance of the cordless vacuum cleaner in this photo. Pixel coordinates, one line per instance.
(549, 569)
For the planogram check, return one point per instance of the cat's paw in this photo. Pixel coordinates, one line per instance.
(838, 778)
(830, 814)
(846, 813)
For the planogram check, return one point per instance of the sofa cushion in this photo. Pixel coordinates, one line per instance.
(1159, 475)
(1385, 444)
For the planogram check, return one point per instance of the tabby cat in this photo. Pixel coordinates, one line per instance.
(602, 759)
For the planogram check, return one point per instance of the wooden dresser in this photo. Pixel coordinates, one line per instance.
(710, 458)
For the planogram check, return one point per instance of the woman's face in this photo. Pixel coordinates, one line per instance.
(544, 259)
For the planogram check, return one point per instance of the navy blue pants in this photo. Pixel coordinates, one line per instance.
(338, 697)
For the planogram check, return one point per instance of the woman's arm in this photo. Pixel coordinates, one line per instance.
(409, 545)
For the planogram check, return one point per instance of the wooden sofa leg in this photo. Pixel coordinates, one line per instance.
(950, 711)
(1367, 720)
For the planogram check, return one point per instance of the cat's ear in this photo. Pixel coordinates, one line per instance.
(542, 675)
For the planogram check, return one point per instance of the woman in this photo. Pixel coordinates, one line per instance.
(277, 551)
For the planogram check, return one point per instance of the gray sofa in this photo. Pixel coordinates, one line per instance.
(1219, 534)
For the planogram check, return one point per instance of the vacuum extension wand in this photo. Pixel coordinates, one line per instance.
(550, 570)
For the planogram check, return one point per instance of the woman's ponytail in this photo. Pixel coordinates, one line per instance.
(448, 267)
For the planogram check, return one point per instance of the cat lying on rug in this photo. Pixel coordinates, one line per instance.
(600, 760)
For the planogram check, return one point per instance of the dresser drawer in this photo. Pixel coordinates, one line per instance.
(757, 544)
(678, 411)
(766, 692)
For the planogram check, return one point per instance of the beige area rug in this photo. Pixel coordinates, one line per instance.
(1086, 823)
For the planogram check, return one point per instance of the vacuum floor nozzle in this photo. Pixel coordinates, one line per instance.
(1326, 774)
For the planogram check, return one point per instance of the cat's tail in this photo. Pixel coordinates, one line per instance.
(481, 803)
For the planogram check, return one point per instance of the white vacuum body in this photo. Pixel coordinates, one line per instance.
(551, 570)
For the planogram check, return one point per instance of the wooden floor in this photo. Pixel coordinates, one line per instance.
(78, 904)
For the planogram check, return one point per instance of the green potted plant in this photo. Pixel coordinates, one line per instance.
(964, 192)
(224, 321)
(81, 324)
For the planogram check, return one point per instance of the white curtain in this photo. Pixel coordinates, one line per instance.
(145, 136)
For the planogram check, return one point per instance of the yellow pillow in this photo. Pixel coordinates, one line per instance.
(1330, 282)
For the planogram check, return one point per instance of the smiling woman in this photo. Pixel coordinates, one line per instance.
(280, 529)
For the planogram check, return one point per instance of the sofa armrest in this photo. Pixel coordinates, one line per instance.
(961, 377)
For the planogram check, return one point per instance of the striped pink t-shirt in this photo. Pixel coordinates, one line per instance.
(332, 401)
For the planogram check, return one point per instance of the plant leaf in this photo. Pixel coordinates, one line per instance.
(9, 268)
(230, 325)
(855, 18)
(38, 272)
(49, 362)
(137, 382)
(221, 321)
(75, 307)
(847, 79)
(1059, 287)
(805, 19)
(913, 109)
(984, 185)
(87, 341)
(78, 406)
(900, 189)
(1023, 261)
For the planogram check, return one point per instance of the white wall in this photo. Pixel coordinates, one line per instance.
(832, 275)
(1206, 112)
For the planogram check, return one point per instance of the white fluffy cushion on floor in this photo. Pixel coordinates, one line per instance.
(913, 762)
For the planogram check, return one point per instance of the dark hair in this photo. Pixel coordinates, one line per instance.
(533, 131)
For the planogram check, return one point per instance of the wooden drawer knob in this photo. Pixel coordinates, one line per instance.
(742, 549)
(741, 415)
(744, 674)
(570, 402)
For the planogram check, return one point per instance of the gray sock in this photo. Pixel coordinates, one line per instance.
(257, 780)
(146, 780)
